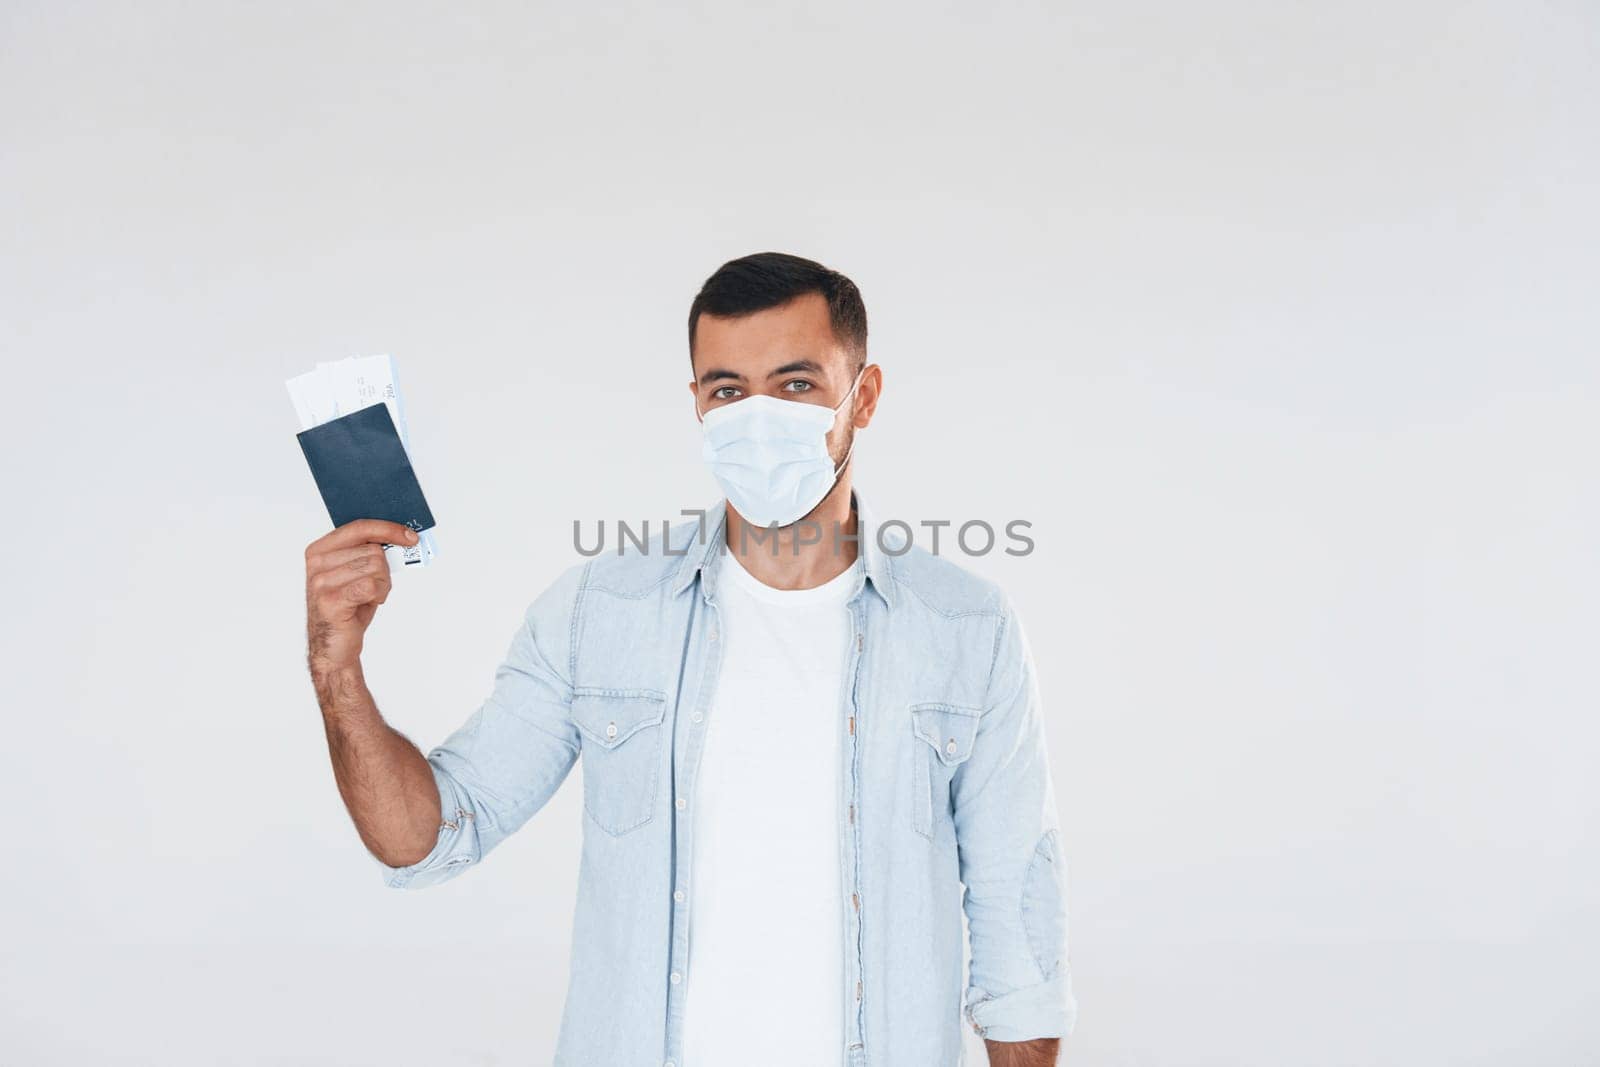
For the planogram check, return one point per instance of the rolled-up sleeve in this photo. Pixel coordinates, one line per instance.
(1009, 841)
(511, 755)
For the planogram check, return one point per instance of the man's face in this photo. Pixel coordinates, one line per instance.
(789, 352)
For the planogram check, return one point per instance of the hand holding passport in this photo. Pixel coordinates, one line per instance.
(356, 448)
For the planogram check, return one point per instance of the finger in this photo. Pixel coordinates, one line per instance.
(336, 557)
(363, 531)
(340, 601)
(357, 533)
(336, 567)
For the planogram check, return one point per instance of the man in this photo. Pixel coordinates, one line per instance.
(799, 736)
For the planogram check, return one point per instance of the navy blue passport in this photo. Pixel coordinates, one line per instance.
(362, 469)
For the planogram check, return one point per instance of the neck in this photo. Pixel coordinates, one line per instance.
(808, 552)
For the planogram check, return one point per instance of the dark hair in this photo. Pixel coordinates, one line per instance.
(768, 279)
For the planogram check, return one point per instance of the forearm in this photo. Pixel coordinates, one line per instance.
(387, 785)
(1040, 1052)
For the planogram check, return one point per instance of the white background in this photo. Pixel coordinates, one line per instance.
(1278, 321)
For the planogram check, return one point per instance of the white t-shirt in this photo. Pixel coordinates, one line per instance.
(765, 979)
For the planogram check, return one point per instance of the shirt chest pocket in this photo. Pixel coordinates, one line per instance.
(622, 730)
(942, 739)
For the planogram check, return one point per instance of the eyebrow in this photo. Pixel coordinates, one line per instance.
(799, 366)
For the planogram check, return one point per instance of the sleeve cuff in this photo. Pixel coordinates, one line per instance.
(1044, 1010)
(455, 849)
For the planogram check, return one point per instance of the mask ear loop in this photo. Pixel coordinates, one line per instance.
(846, 459)
(849, 392)
(836, 408)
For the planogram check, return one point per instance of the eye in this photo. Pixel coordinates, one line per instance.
(798, 385)
(724, 392)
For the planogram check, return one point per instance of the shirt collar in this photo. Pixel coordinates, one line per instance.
(700, 553)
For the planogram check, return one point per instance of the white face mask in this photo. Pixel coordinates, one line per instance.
(771, 456)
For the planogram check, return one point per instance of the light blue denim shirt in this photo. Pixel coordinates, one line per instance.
(944, 783)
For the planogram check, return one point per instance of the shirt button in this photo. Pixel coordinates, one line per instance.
(611, 729)
(677, 895)
(699, 717)
(676, 977)
(681, 803)
(950, 746)
(669, 1063)
(713, 633)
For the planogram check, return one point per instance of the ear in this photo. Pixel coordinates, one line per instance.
(867, 394)
(694, 391)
